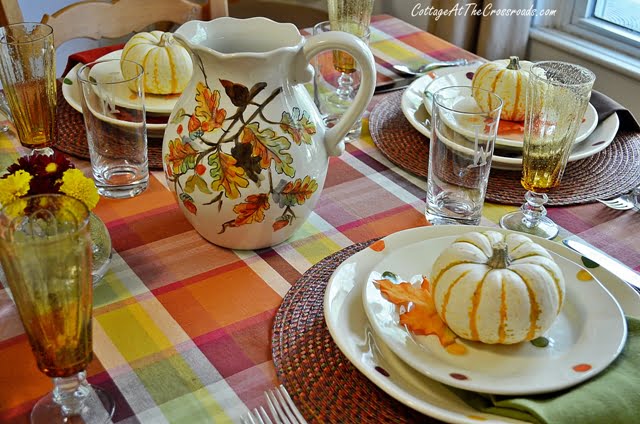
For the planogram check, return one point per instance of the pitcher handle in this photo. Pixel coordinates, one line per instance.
(337, 40)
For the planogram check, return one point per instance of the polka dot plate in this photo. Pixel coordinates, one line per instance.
(362, 344)
(588, 334)
(508, 156)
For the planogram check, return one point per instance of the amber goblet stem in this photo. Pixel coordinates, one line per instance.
(71, 392)
(47, 151)
(533, 209)
(345, 91)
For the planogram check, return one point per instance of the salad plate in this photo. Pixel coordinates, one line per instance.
(510, 134)
(354, 335)
(415, 112)
(157, 117)
(586, 337)
(154, 103)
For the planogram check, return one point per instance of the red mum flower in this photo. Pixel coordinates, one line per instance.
(46, 171)
(36, 164)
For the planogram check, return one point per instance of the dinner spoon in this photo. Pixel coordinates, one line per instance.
(405, 70)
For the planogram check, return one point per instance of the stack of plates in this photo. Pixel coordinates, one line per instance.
(419, 372)
(592, 137)
(158, 107)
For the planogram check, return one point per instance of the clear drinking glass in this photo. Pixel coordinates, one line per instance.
(557, 97)
(115, 120)
(28, 74)
(460, 152)
(45, 250)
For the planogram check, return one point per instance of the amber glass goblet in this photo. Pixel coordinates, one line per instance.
(557, 97)
(45, 250)
(354, 17)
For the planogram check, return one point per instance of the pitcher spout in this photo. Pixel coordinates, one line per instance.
(243, 37)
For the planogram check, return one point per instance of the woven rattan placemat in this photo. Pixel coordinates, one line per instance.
(604, 175)
(72, 137)
(325, 386)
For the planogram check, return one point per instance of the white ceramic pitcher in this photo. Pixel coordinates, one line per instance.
(245, 149)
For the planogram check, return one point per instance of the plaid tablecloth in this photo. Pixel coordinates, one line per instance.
(182, 327)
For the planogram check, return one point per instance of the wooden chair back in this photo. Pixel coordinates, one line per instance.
(116, 18)
(301, 15)
(10, 12)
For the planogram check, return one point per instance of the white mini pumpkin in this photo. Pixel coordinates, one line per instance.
(508, 79)
(497, 289)
(167, 65)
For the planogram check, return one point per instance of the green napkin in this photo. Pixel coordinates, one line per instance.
(613, 396)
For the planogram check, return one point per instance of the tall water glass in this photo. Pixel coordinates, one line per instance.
(557, 97)
(45, 250)
(460, 153)
(28, 74)
(115, 120)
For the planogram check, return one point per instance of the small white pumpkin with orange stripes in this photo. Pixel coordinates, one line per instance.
(508, 78)
(167, 65)
(493, 288)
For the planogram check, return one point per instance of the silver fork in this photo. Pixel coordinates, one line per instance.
(623, 202)
(257, 416)
(282, 408)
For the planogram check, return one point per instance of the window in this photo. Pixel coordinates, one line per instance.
(604, 32)
(623, 13)
(615, 23)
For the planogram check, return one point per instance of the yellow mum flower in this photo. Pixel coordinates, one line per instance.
(75, 184)
(51, 168)
(16, 208)
(14, 186)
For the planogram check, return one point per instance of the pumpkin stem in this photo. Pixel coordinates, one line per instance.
(500, 257)
(164, 39)
(514, 63)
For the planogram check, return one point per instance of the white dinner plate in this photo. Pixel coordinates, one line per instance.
(353, 334)
(510, 134)
(414, 110)
(518, 369)
(71, 93)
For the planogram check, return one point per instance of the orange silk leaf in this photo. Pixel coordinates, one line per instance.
(421, 317)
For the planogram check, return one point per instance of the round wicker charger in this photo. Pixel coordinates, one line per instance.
(604, 175)
(72, 137)
(325, 386)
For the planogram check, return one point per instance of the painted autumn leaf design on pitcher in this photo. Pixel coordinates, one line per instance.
(222, 153)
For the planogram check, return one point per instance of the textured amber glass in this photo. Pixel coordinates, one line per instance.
(46, 255)
(28, 74)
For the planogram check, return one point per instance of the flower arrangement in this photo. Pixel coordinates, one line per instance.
(44, 174)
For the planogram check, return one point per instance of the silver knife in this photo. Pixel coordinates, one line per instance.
(394, 85)
(625, 273)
